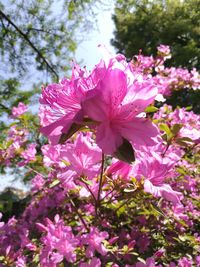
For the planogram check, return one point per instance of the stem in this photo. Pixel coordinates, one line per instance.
(167, 147)
(89, 190)
(79, 214)
(31, 169)
(100, 183)
(110, 192)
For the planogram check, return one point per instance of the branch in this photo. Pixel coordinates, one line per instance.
(78, 213)
(30, 43)
(4, 107)
(43, 31)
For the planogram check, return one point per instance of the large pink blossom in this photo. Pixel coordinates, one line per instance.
(62, 102)
(116, 104)
(112, 96)
(120, 169)
(83, 155)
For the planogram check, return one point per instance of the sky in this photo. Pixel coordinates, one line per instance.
(88, 50)
(89, 54)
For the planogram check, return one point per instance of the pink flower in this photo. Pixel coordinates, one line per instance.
(63, 103)
(51, 155)
(1, 223)
(94, 241)
(150, 262)
(116, 104)
(120, 169)
(112, 96)
(28, 154)
(93, 263)
(197, 261)
(154, 169)
(83, 155)
(58, 238)
(19, 110)
(21, 262)
(185, 262)
(37, 182)
(164, 50)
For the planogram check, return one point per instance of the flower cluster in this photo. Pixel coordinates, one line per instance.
(118, 183)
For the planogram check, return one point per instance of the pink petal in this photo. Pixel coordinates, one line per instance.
(107, 139)
(139, 131)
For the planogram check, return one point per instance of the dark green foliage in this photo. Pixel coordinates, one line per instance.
(143, 25)
(186, 98)
(146, 24)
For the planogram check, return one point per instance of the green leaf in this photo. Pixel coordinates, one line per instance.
(66, 162)
(73, 129)
(150, 109)
(184, 141)
(157, 211)
(165, 128)
(188, 108)
(125, 152)
(129, 190)
(54, 183)
(176, 128)
(2, 258)
(181, 170)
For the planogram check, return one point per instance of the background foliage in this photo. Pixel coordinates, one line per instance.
(146, 24)
(37, 39)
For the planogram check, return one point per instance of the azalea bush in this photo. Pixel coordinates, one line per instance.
(114, 170)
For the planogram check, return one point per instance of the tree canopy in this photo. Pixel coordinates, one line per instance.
(145, 24)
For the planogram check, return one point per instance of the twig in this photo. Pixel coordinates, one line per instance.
(79, 214)
(89, 190)
(100, 184)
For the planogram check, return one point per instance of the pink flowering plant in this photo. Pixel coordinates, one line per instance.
(116, 180)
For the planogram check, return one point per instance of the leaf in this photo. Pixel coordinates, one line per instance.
(76, 127)
(164, 127)
(150, 109)
(157, 211)
(66, 162)
(129, 190)
(184, 141)
(188, 108)
(181, 170)
(125, 152)
(54, 183)
(73, 129)
(176, 128)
